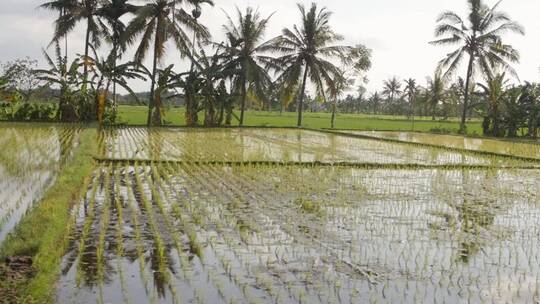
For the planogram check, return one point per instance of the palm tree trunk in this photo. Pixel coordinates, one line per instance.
(86, 51)
(333, 114)
(244, 97)
(153, 85)
(466, 94)
(301, 100)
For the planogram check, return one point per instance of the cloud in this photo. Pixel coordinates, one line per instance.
(397, 31)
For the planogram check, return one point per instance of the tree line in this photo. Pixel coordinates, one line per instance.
(247, 68)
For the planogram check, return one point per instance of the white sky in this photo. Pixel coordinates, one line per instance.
(398, 31)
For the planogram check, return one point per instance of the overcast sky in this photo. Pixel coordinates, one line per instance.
(398, 31)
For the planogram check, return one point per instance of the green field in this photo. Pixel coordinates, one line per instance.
(136, 115)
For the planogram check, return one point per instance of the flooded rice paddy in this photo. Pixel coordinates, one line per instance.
(283, 216)
(517, 148)
(29, 162)
(165, 222)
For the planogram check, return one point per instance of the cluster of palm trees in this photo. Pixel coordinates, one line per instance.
(221, 76)
(479, 42)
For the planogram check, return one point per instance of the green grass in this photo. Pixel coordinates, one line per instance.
(136, 115)
(43, 233)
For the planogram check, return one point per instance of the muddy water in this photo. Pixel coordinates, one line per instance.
(174, 233)
(29, 162)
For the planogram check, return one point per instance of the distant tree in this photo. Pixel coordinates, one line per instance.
(391, 89)
(19, 76)
(436, 92)
(493, 94)
(480, 38)
(410, 92)
(375, 102)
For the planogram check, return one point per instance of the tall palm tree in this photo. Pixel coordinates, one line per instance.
(246, 54)
(111, 13)
(480, 38)
(62, 7)
(391, 88)
(307, 51)
(436, 92)
(161, 20)
(410, 91)
(75, 12)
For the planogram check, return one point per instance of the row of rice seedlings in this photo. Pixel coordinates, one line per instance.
(161, 272)
(193, 209)
(298, 291)
(137, 227)
(226, 263)
(276, 217)
(103, 227)
(119, 242)
(345, 213)
(89, 217)
(517, 148)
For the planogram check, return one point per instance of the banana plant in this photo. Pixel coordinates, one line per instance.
(104, 73)
(68, 78)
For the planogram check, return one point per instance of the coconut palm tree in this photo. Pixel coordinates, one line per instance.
(246, 54)
(436, 92)
(162, 20)
(479, 37)
(74, 12)
(307, 51)
(410, 91)
(391, 89)
(111, 13)
(62, 7)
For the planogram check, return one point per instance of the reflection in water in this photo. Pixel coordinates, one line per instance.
(29, 162)
(275, 145)
(358, 236)
(454, 141)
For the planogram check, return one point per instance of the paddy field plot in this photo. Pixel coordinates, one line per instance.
(516, 148)
(240, 216)
(29, 162)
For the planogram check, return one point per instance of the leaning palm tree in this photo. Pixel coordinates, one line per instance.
(480, 39)
(245, 50)
(161, 20)
(307, 51)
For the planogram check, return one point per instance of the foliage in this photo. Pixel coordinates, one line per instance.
(18, 76)
(480, 38)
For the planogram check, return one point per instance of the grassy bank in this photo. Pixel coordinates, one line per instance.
(136, 115)
(43, 233)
